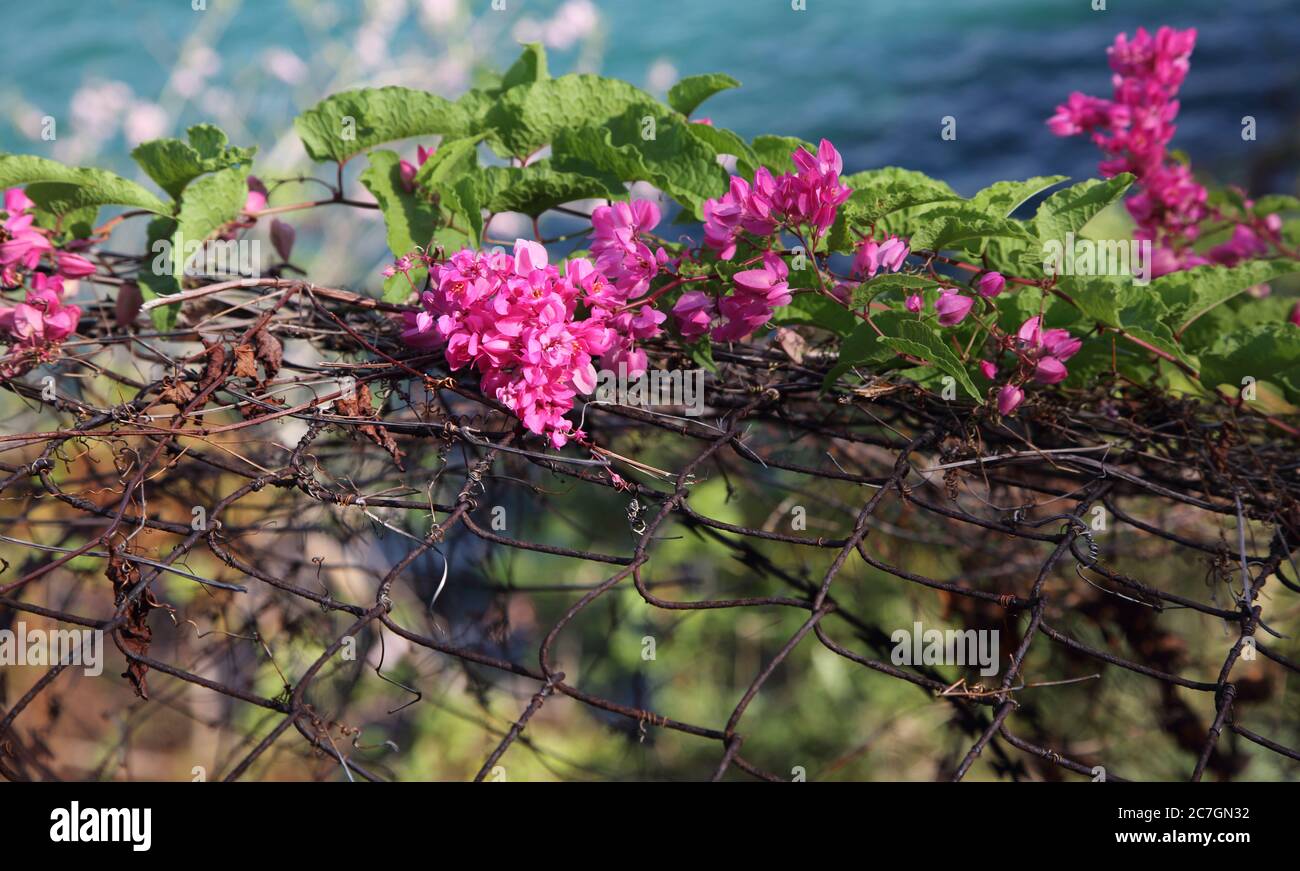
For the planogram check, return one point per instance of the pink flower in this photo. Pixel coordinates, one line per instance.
(41, 322)
(16, 201)
(1047, 350)
(872, 256)
(407, 170)
(1009, 397)
(914, 303)
(1050, 370)
(695, 312)
(1295, 315)
(813, 194)
(953, 308)
(988, 369)
(256, 199)
(990, 284)
(73, 265)
(757, 293)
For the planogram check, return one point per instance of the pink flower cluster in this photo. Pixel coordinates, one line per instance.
(515, 319)
(626, 260)
(34, 327)
(808, 197)
(757, 293)
(1134, 129)
(1041, 356)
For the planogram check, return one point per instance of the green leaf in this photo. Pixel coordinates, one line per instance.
(920, 340)
(449, 174)
(156, 276)
(408, 220)
(687, 95)
(673, 158)
(82, 187)
(905, 283)
(724, 141)
(1266, 352)
(815, 310)
(56, 209)
(1004, 197)
(350, 122)
(529, 68)
(527, 117)
(173, 164)
(879, 193)
(534, 189)
(947, 225)
(1192, 292)
(860, 348)
(210, 202)
(1066, 211)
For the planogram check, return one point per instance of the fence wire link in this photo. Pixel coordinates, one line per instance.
(890, 460)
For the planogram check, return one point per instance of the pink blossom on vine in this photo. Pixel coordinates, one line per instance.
(1047, 350)
(1295, 315)
(743, 208)
(695, 312)
(73, 265)
(988, 369)
(914, 303)
(516, 320)
(1009, 398)
(872, 256)
(36, 326)
(808, 197)
(813, 194)
(1134, 129)
(406, 170)
(255, 201)
(953, 308)
(620, 252)
(990, 284)
(757, 293)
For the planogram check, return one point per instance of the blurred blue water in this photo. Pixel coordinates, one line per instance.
(875, 77)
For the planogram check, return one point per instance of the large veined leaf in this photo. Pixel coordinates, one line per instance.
(922, 341)
(672, 156)
(1066, 211)
(449, 174)
(532, 190)
(1265, 352)
(173, 164)
(529, 68)
(1004, 197)
(80, 189)
(687, 95)
(724, 141)
(946, 225)
(409, 221)
(1192, 292)
(350, 122)
(529, 116)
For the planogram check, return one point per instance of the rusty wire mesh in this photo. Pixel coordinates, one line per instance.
(884, 461)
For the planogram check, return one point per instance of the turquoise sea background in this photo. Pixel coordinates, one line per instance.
(874, 77)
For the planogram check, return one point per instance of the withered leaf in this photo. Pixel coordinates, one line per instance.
(135, 633)
(270, 352)
(359, 405)
(245, 362)
(177, 391)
